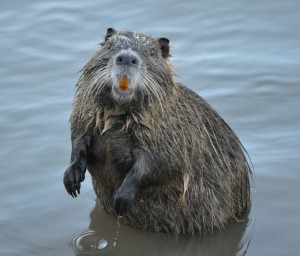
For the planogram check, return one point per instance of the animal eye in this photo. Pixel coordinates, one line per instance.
(152, 51)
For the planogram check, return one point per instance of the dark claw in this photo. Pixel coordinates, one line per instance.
(124, 198)
(72, 178)
(121, 205)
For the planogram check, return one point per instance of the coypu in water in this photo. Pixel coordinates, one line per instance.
(158, 154)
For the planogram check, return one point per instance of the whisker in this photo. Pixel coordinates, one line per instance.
(153, 90)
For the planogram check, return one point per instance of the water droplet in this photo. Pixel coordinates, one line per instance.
(102, 244)
(88, 241)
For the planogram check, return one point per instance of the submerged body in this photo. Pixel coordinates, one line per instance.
(158, 154)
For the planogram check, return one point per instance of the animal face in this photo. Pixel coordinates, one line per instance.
(129, 61)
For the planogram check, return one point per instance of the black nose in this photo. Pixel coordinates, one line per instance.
(127, 59)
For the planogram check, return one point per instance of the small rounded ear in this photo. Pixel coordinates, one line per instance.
(164, 46)
(110, 32)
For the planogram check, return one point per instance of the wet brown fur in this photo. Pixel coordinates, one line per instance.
(194, 176)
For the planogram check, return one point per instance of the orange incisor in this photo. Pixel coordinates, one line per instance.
(123, 84)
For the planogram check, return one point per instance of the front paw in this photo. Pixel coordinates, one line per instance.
(72, 178)
(124, 198)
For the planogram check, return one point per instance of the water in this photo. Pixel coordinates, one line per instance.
(242, 56)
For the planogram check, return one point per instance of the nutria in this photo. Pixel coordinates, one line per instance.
(158, 154)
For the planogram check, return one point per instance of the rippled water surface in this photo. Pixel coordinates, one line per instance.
(243, 57)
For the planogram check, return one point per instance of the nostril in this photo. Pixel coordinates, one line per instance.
(119, 59)
(127, 59)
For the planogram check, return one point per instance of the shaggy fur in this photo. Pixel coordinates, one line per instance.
(158, 154)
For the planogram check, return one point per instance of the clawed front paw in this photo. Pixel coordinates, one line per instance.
(72, 178)
(124, 198)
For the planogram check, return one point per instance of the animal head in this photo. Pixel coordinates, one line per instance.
(129, 65)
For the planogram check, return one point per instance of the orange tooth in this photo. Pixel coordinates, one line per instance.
(123, 84)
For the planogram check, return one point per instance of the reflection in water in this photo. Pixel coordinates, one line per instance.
(106, 237)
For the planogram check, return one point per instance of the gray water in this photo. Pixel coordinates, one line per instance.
(243, 57)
